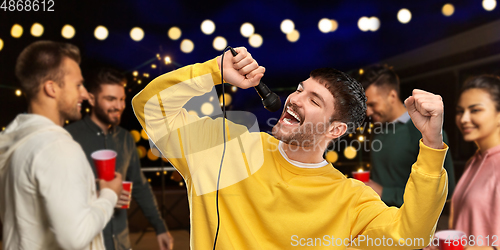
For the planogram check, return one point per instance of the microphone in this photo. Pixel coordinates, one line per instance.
(270, 100)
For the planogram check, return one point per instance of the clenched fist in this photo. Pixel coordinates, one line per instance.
(427, 112)
(241, 70)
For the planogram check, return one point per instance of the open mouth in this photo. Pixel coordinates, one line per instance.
(290, 117)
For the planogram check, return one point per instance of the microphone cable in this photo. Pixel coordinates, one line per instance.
(224, 135)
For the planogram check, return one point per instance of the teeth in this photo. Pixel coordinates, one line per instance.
(287, 121)
(289, 111)
(79, 104)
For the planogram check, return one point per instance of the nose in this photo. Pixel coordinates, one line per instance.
(465, 117)
(296, 98)
(369, 111)
(84, 94)
(121, 105)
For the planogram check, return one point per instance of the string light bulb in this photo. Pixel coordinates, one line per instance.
(16, 31)
(168, 60)
(287, 26)
(489, 5)
(37, 30)
(448, 9)
(18, 92)
(101, 32)
(404, 16)
(137, 34)
(68, 31)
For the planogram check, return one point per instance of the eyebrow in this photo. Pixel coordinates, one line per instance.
(314, 94)
(471, 106)
(113, 97)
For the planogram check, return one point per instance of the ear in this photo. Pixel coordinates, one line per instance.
(392, 96)
(51, 88)
(91, 99)
(336, 130)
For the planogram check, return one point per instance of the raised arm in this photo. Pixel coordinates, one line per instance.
(425, 192)
(194, 145)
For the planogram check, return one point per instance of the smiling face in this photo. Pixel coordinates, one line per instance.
(108, 104)
(306, 116)
(378, 105)
(72, 91)
(476, 116)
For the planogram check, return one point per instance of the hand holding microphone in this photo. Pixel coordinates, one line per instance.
(242, 71)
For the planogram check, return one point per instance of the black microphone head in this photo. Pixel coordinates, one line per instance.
(272, 102)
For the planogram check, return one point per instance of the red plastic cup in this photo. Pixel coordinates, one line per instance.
(127, 186)
(451, 239)
(104, 161)
(363, 176)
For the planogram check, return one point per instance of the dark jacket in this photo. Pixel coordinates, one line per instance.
(91, 138)
(395, 147)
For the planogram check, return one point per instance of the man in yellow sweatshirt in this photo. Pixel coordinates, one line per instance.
(277, 192)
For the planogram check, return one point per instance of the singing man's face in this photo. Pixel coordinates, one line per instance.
(306, 115)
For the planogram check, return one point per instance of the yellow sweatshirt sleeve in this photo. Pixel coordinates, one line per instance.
(411, 226)
(159, 106)
(192, 144)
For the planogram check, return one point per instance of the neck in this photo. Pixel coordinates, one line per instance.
(47, 109)
(398, 111)
(312, 154)
(105, 127)
(489, 142)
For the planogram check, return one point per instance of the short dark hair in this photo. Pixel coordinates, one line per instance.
(380, 76)
(41, 61)
(489, 83)
(104, 76)
(349, 95)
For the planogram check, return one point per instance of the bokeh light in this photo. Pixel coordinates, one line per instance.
(101, 32)
(16, 31)
(247, 29)
(332, 156)
(404, 15)
(350, 152)
(489, 5)
(151, 155)
(174, 33)
(293, 36)
(335, 25)
(37, 30)
(141, 150)
(287, 26)
(227, 98)
(144, 135)
(137, 34)
(207, 108)
(364, 24)
(187, 46)
(325, 25)
(374, 24)
(136, 135)
(219, 43)
(68, 31)
(208, 27)
(255, 40)
(448, 9)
